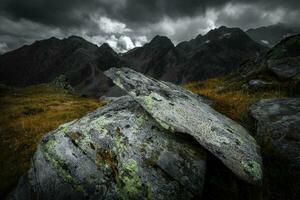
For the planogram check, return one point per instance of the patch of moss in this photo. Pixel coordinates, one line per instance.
(57, 162)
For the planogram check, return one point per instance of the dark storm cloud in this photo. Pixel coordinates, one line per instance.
(128, 23)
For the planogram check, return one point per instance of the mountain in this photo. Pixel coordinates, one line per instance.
(218, 52)
(79, 60)
(155, 58)
(271, 35)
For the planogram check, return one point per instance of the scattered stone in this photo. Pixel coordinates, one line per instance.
(279, 120)
(63, 83)
(256, 84)
(116, 152)
(179, 110)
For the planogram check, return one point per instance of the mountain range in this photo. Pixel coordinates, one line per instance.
(216, 53)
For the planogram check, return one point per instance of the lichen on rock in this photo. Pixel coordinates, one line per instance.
(179, 110)
(106, 154)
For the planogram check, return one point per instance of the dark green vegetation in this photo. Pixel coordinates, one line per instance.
(25, 116)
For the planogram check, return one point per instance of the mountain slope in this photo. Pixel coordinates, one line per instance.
(271, 35)
(218, 52)
(155, 58)
(43, 61)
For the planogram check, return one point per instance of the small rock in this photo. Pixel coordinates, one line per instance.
(256, 84)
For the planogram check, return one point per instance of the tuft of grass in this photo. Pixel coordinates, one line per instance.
(25, 116)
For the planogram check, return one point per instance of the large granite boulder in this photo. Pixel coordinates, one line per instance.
(116, 152)
(179, 110)
(278, 120)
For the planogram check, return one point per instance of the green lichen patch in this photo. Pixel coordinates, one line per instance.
(254, 169)
(148, 101)
(48, 150)
(129, 185)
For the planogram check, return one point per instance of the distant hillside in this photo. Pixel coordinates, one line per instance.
(271, 35)
(79, 60)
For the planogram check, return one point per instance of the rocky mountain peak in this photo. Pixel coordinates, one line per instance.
(161, 41)
(105, 47)
(224, 32)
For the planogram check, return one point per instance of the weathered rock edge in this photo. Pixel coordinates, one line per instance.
(116, 152)
(179, 110)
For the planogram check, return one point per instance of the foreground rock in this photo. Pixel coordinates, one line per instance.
(117, 152)
(279, 121)
(178, 110)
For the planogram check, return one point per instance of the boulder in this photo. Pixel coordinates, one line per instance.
(278, 120)
(179, 110)
(116, 152)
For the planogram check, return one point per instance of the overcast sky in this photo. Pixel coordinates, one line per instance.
(125, 24)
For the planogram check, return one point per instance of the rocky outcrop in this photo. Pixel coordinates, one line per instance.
(116, 152)
(178, 110)
(278, 120)
(139, 147)
(63, 83)
(284, 59)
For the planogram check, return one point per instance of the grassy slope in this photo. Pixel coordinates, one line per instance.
(280, 180)
(25, 116)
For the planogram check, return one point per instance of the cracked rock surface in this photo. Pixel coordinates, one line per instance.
(116, 152)
(179, 110)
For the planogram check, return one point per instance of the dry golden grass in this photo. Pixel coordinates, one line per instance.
(25, 116)
(233, 102)
(281, 181)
